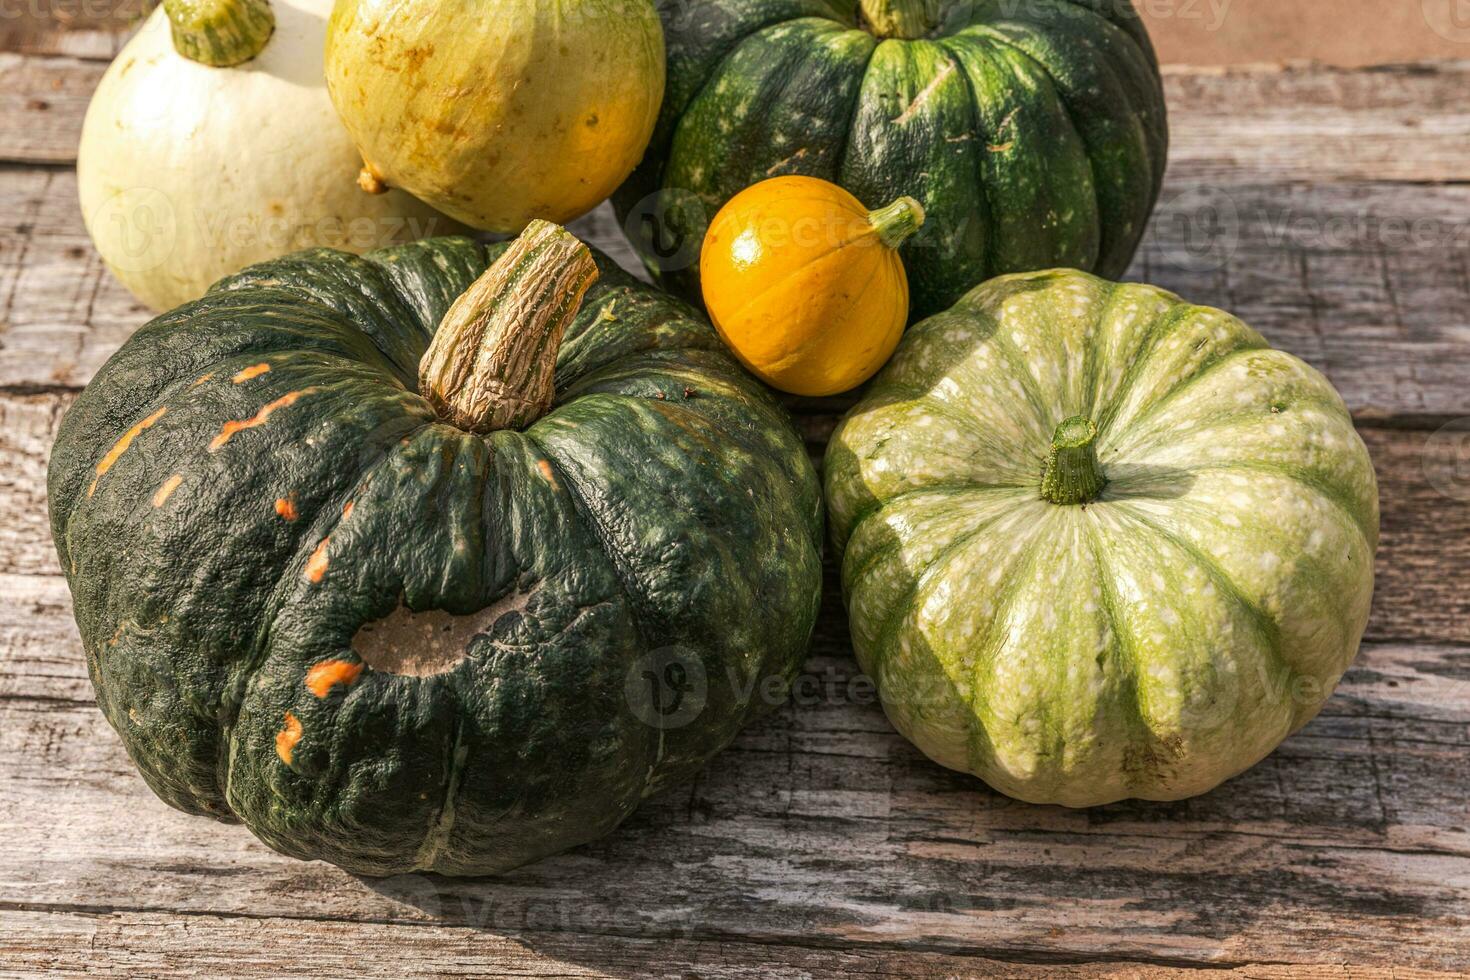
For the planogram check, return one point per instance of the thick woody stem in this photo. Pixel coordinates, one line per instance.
(492, 363)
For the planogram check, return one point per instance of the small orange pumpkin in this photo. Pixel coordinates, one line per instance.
(805, 284)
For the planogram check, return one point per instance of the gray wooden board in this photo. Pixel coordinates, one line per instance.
(129, 944)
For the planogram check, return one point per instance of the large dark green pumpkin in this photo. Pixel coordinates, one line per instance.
(1032, 131)
(279, 556)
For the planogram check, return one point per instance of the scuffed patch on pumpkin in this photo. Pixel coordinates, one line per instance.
(230, 428)
(286, 507)
(201, 379)
(547, 474)
(253, 371)
(423, 644)
(121, 446)
(925, 95)
(287, 738)
(322, 677)
(167, 490)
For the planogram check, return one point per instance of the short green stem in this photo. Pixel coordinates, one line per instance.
(896, 222)
(220, 33)
(1072, 475)
(908, 19)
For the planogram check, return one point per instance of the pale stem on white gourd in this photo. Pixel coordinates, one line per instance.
(908, 19)
(492, 363)
(1072, 474)
(896, 222)
(220, 33)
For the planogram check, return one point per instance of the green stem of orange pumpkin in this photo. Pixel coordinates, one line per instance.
(492, 363)
(220, 33)
(1072, 475)
(901, 18)
(896, 222)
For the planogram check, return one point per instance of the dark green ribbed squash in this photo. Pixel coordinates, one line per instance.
(384, 640)
(1032, 131)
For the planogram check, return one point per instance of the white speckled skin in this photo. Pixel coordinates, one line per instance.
(189, 173)
(1151, 644)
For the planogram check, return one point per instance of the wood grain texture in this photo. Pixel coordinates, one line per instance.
(42, 103)
(128, 944)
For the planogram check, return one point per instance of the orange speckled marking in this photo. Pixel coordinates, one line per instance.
(286, 507)
(287, 738)
(545, 467)
(201, 379)
(347, 510)
(121, 446)
(316, 565)
(167, 490)
(251, 372)
(227, 432)
(323, 676)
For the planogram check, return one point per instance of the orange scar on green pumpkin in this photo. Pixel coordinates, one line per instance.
(322, 677)
(286, 507)
(254, 371)
(121, 446)
(287, 738)
(228, 430)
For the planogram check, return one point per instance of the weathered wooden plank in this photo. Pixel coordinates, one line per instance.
(130, 944)
(42, 103)
(821, 826)
(1309, 122)
(1304, 123)
(1370, 282)
(1424, 487)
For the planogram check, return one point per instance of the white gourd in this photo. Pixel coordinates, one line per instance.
(189, 172)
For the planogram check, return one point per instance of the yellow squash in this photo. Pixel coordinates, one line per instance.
(497, 111)
(805, 284)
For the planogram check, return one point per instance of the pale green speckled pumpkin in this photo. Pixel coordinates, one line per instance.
(1098, 543)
